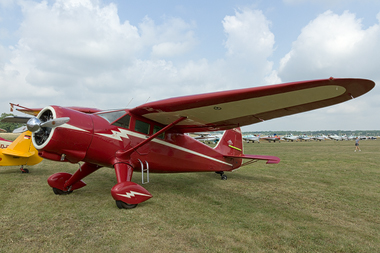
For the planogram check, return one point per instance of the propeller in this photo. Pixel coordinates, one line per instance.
(35, 124)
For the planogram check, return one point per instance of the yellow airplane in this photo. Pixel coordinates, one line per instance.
(19, 152)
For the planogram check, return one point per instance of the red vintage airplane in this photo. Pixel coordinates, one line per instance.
(273, 138)
(151, 137)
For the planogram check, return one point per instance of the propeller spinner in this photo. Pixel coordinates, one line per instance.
(34, 124)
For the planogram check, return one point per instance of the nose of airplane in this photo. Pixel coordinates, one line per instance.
(61, 133)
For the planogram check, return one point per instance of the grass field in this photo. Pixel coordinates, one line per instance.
(321, 197)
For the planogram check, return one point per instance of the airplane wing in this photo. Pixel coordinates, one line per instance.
(235, 108)
(16, 119)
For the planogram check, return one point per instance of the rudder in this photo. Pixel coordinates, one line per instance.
(231, 143)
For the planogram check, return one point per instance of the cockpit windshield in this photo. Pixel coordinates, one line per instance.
(112, 116)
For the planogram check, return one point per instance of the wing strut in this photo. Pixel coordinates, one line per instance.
(122, 154)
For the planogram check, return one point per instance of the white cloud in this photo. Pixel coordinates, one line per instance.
(333, 45)
(6, 3)
(249, 35)
(339, 46)
(72, 51)
(79, 53)
(173, 38)
(249, 44)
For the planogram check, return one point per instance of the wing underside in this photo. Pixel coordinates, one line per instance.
(35, 111)
(236, 108)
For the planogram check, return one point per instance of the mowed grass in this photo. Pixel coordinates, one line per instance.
(321, 197)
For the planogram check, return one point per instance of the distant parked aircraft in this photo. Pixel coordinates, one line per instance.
(319, 137)
(273, 138)
(290, 137)
(335, 137)
(304, 137)
(251, 138)
(207, 137)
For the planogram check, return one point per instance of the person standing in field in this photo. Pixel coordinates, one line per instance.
(357, 144)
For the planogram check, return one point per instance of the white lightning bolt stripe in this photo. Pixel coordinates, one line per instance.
(116, 135)
(133, 194)
(68, 126)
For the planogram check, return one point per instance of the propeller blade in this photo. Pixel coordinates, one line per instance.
(55, 122)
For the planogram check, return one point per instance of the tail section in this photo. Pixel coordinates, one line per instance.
(231, 143)
(21, 146)
(231, 147)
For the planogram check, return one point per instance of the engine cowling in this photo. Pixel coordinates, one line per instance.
(66, 142)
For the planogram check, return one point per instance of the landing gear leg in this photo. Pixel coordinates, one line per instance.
(64, 183)
(221, 173)
(24, 170)
(127, 194)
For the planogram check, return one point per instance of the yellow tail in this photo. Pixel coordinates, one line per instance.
(20, 152)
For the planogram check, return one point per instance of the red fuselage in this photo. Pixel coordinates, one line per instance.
(94, 139)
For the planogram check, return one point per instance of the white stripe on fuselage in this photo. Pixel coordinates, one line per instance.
(142, 136)
(68, 126)
(117, 135)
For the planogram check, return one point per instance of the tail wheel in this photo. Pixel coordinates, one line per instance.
(222, 175)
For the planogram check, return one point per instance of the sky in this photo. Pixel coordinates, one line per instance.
(112, 54)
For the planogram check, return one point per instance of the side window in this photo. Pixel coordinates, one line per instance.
(123, 122)
(142, 127)
(156, 129)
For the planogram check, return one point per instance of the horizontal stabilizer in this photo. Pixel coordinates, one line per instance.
(13, 152)
(21, 147)
(269, 159)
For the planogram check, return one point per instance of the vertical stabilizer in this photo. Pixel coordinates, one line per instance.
(231, 143)
(20, 152)
(22, 144)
